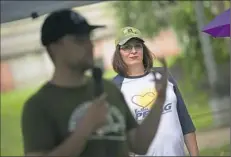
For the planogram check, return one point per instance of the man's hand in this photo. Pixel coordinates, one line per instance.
(97, 112)
(161, 79)
(94, 117)
(141, 137)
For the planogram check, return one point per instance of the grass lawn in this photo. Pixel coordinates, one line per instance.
(11, 105)
(222, 151)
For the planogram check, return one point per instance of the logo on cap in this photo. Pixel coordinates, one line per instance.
(130, 30)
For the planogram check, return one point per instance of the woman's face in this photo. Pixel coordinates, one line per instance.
(132, 52)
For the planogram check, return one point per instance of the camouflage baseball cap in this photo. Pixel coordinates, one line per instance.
(126, 34)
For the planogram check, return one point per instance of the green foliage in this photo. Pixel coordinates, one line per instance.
(220, 47)
(221, 151)
(152, 16)
(144, 15)
(184, 22)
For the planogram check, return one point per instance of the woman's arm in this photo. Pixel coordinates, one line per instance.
(141, 137)
(191, 143)
(187, 126)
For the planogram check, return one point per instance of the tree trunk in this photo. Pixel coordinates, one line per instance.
(218, 104)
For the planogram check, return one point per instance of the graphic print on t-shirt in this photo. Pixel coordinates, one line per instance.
(169, 140)
(144, 102)
(115, 123)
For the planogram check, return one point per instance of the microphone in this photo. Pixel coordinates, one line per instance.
(98, 90)
(97, 75)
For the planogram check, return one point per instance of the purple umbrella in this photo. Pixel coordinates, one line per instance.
(220, 26)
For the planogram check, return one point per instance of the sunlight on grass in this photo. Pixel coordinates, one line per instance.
(11, 107)
(222, 151)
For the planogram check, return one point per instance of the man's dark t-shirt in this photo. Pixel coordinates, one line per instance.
(52, 113)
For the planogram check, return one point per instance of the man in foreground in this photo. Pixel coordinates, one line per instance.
(64, 118)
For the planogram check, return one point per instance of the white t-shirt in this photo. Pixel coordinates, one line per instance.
(140, 95)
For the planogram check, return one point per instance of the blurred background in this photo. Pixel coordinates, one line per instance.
(200, 63)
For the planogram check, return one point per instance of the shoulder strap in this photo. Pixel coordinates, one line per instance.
(118, 80)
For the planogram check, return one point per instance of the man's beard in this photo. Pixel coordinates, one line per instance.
(82, 67)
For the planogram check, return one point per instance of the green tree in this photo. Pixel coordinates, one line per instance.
(152, 16)
(144, 15)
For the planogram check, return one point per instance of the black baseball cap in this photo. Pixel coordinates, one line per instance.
(63, 22)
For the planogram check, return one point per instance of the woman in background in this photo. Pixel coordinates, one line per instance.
(133, 63)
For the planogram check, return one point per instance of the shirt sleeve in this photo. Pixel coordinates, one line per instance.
(184, 117)
(37, 131)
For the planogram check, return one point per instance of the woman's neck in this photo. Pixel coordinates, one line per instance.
(136, 70)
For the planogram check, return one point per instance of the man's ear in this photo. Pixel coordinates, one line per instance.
(53, 46)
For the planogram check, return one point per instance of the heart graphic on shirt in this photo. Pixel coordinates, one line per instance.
(146, 100)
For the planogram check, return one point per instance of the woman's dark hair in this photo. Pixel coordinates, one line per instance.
(121, 68)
